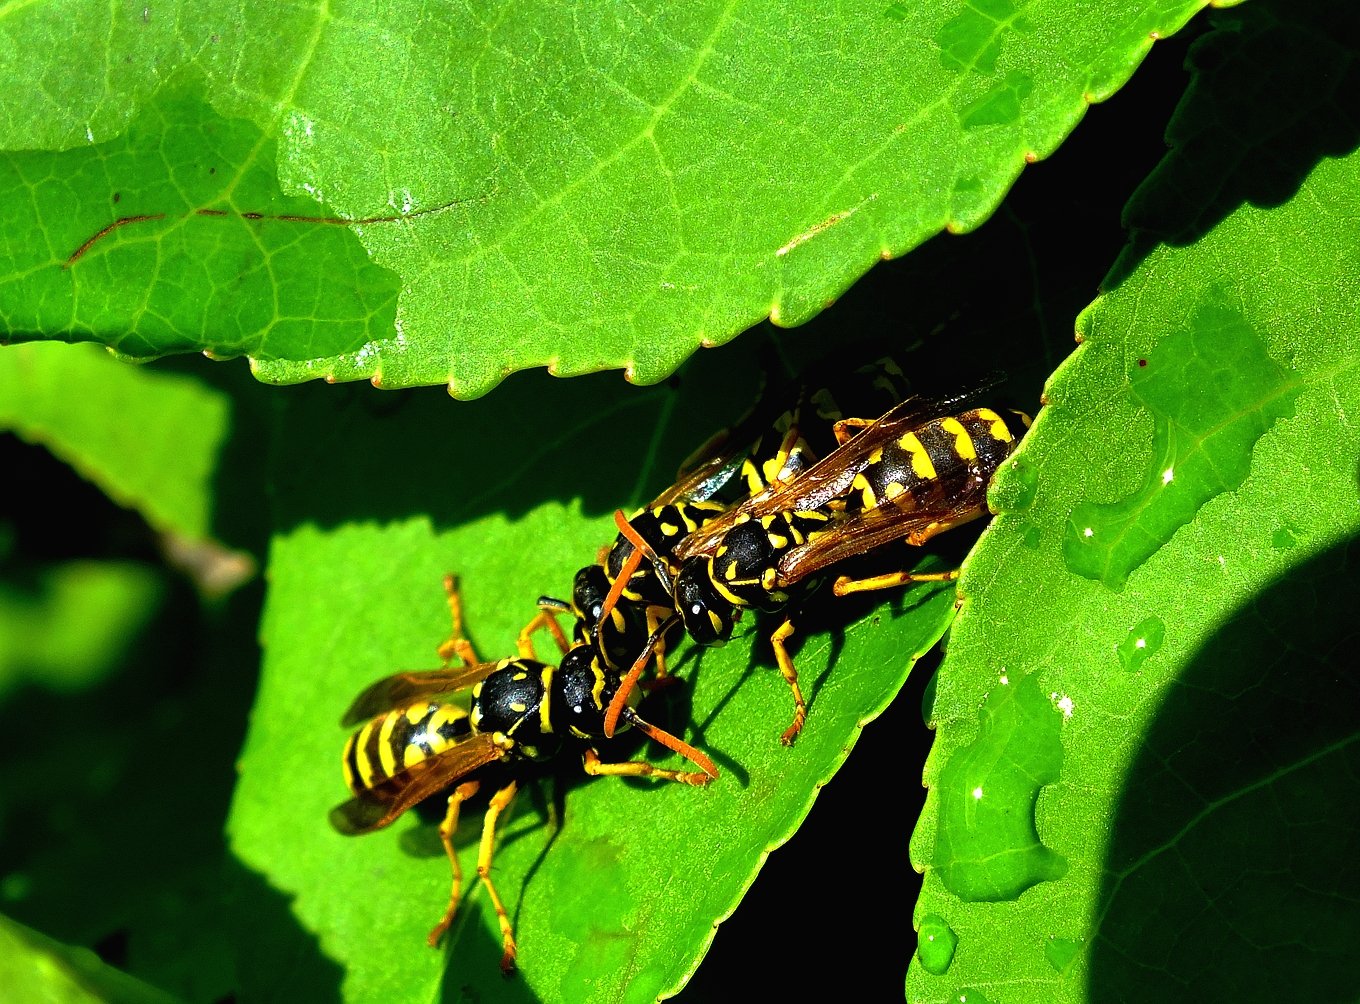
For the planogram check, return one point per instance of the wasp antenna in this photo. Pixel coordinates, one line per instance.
(631, 564)
(674, 743)
(630, 533)
(618, 702)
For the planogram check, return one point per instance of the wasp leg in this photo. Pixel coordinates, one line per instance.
(846, 428)
(959, 518)
(446, 830)
(845, 585)
(595, 767)
(781, 655)
(709, 449)
(661, 677)
(499, 803)
(769, 474)
(547, 619)
(457, 645)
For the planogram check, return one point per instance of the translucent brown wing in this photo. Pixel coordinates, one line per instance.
(832, 476)
(381, 804)
(869, 529)
(401, 689)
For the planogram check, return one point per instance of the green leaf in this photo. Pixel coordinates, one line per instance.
(620, 900)
(71, 625)
(576, 188)
(35, 968)
(160, 454)
(1144, 778)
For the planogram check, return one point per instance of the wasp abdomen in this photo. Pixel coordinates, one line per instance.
(400, 739)
(938, 461)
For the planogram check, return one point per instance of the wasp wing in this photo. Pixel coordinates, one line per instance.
(378, 806)
(401, 689)
(866, 530)
(832, 476)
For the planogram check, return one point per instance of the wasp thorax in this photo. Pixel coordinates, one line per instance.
(581, 693)
(510, 701)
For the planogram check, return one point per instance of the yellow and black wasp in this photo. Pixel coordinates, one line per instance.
(429, 731)
(620, 601)
(920, 469)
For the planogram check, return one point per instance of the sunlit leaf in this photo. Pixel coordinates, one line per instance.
(1144, 777)
(535, 185)
(620, 900)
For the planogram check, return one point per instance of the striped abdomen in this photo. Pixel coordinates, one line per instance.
(400, 739)
(939, 461)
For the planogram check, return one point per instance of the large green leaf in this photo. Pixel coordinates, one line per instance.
(35, 968)
(1144, 777)
(620, 900)
(161, 455)
(379, 494)
(429, 197)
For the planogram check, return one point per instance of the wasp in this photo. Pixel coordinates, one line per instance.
(919, 470)
(429, 731)
(620, 602)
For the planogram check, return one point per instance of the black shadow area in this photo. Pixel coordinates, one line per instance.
(1275, 89)
(352, 452)
(1234, 871)
(275, 959)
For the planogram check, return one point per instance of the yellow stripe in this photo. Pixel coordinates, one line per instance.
(545, 705)
(728, 595)
(443, 715)
(963, 443)
(920, 460)
(361, 760)
(861, 485)
(998, 429)
(597, 688)
(386, 754)
(344, 765)
(412, 755)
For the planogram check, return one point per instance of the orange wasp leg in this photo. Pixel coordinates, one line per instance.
(845, 585)
(446, 830)
(547, 619)
(846, 428)
(781, 656)
(595, 767)
(457, 645)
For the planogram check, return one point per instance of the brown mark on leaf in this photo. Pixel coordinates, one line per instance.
(257, 217)
(826, 224)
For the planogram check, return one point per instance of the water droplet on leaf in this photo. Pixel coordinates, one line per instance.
(1142, 643)
(935, 944)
